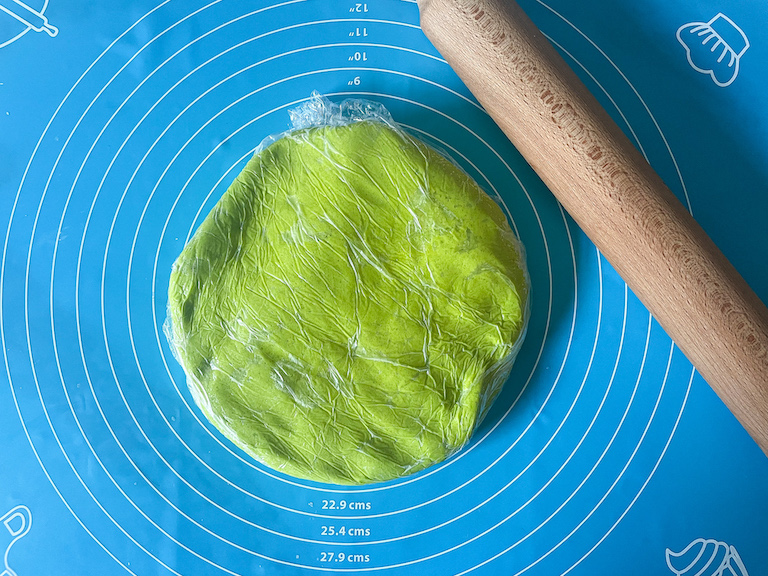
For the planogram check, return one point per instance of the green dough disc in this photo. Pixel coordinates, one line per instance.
(351, 307)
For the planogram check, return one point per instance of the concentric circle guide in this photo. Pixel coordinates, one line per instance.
(137, 153)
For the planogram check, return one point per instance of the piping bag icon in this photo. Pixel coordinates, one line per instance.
(17, 523)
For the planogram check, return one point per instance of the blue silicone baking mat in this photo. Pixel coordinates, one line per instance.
(122, 123)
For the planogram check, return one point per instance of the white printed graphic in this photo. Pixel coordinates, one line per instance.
(714, 47)
(706, 558)
(26, 19)
(17, 523)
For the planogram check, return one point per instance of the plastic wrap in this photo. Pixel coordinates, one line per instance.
(353, 304)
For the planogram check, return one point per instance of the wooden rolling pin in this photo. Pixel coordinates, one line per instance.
(613, 194)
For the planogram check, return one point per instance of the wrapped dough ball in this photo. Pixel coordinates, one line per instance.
(353, 304)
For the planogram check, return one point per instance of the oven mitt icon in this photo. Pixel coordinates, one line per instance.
(714, 47)
(706, 558)
(17, 523)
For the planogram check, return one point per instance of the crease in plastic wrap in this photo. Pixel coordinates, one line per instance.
(352, 306)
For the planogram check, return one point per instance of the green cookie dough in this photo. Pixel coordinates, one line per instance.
(351, 307)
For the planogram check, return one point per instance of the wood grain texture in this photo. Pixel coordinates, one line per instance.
(613, 194)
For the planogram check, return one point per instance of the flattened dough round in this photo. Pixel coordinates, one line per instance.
(351, 307)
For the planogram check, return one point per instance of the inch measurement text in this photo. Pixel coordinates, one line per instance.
(359, 30)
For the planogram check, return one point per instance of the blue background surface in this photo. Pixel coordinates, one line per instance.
(119, 134)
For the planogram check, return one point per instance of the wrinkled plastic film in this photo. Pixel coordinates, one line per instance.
(353, 304)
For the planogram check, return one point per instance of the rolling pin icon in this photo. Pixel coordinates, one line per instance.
(28, 16)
